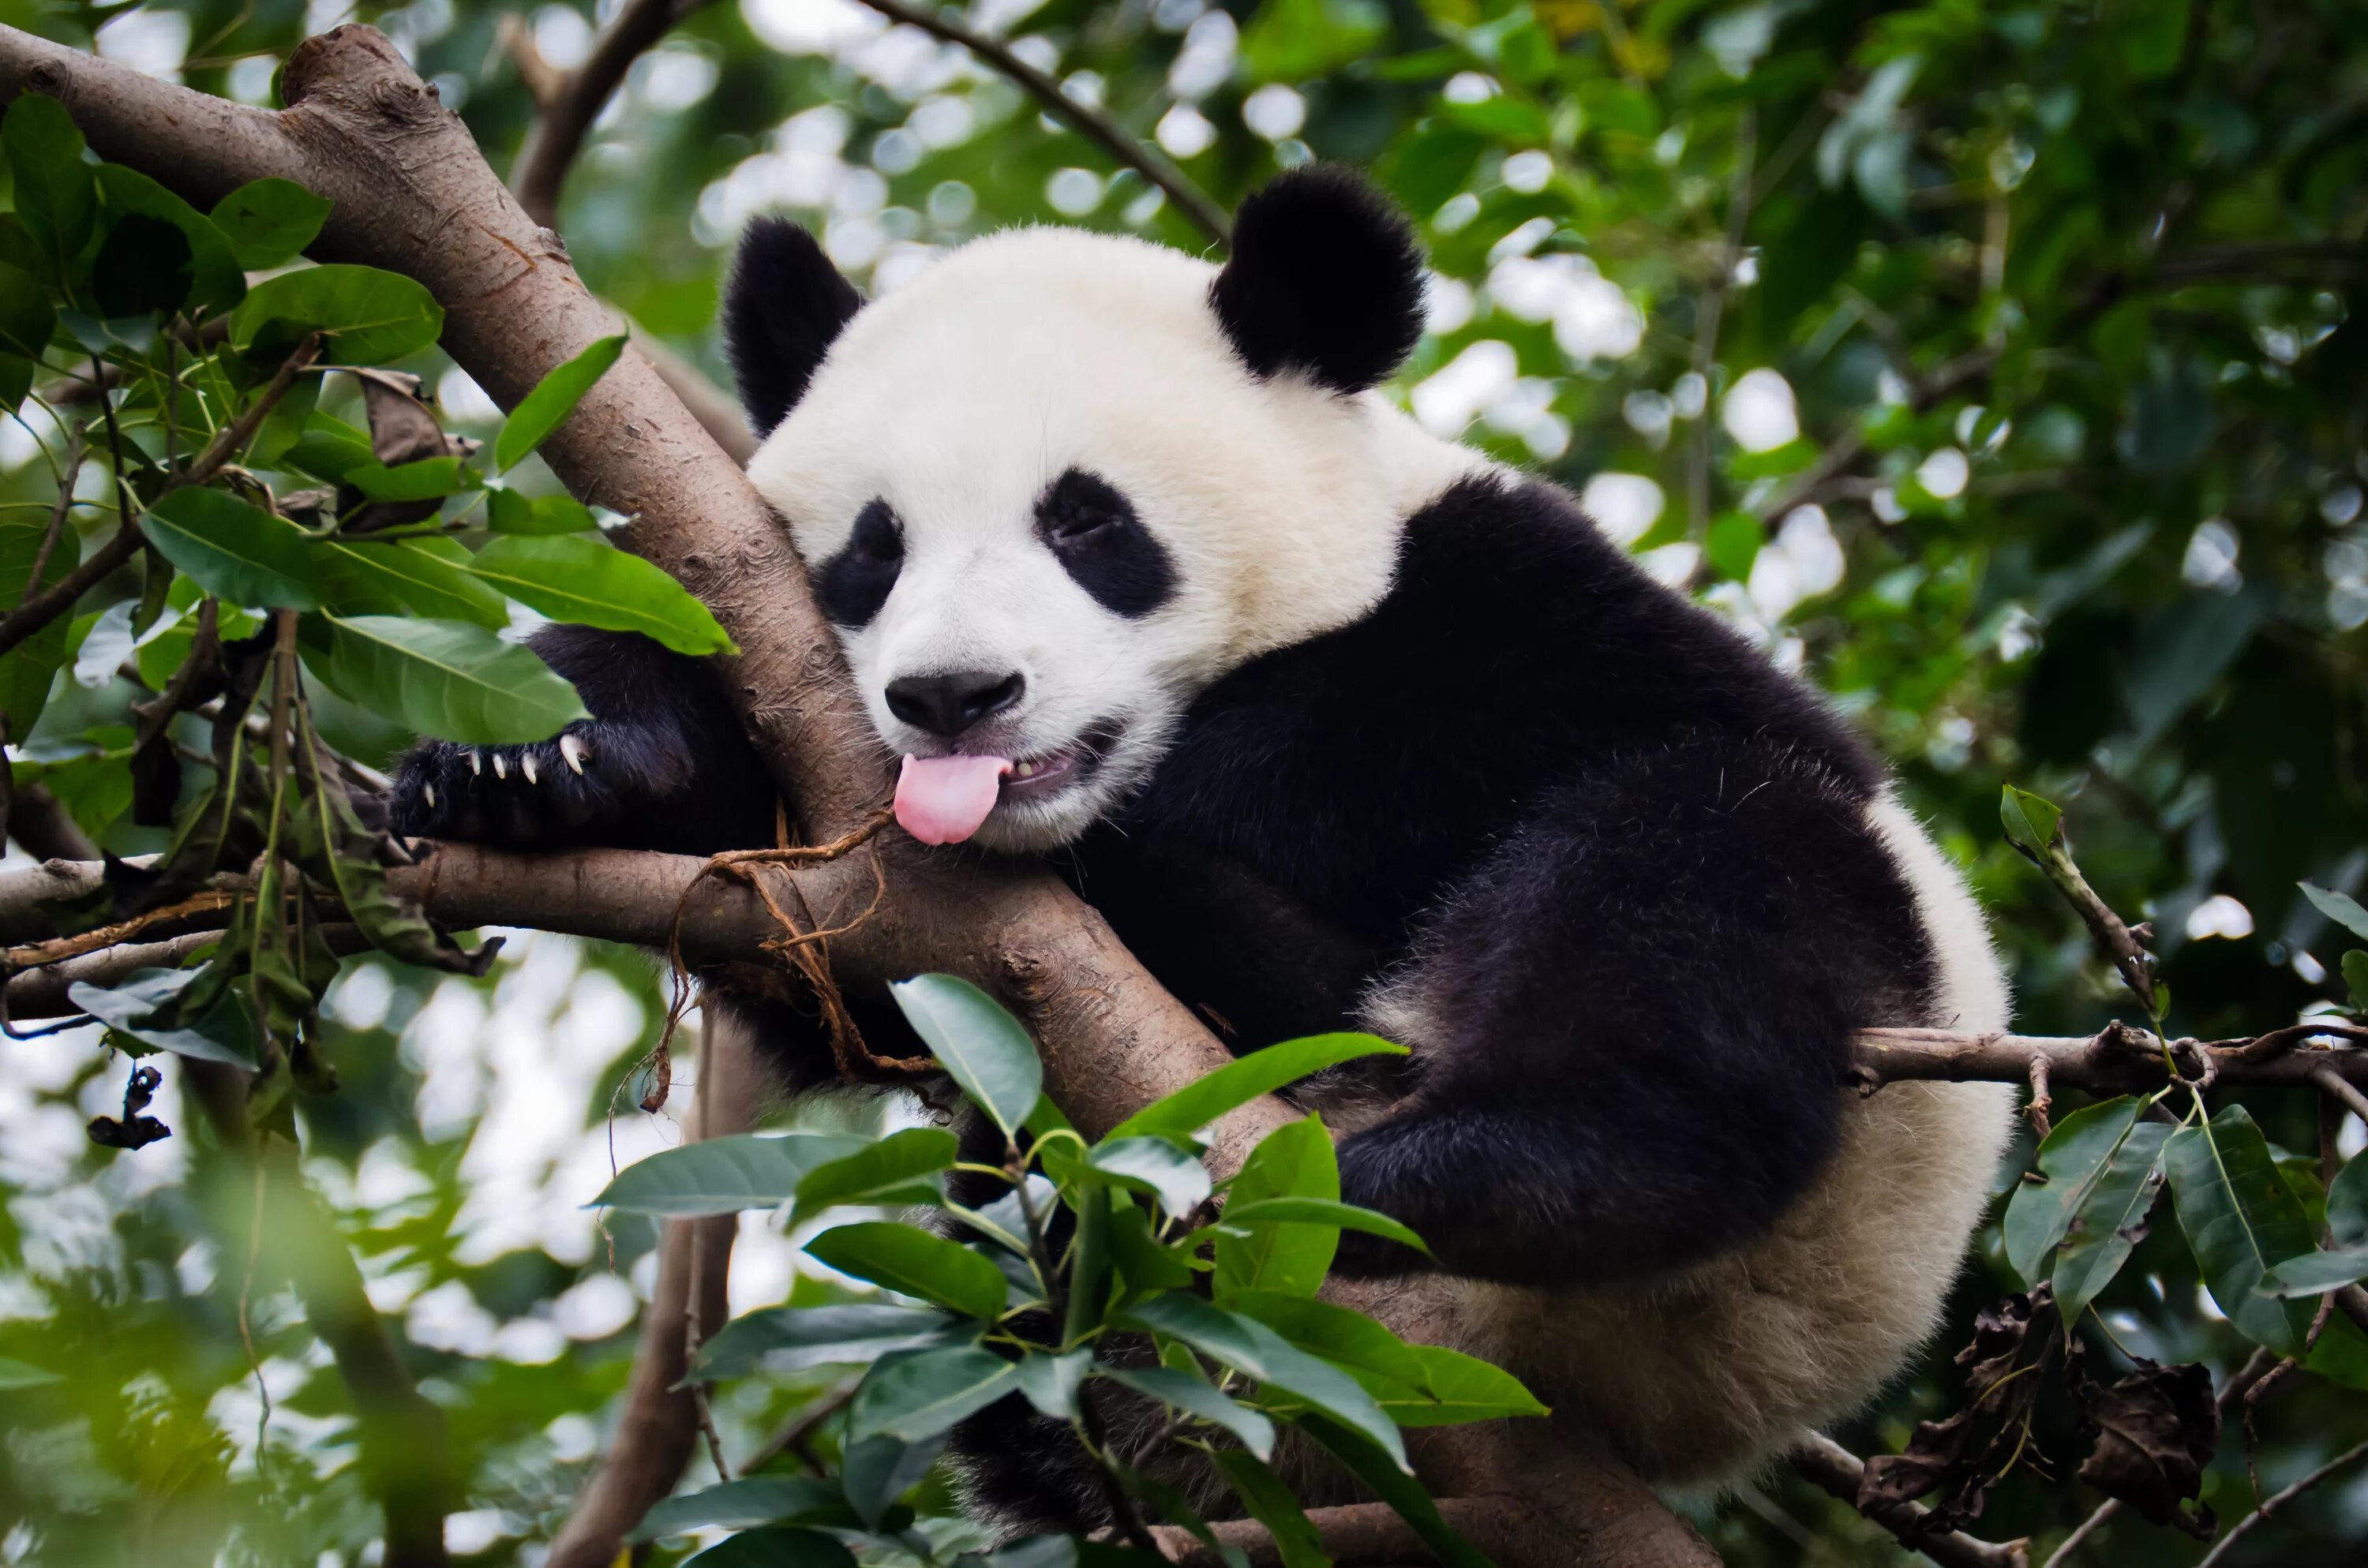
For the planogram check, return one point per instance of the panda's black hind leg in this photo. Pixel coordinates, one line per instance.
(662, 764)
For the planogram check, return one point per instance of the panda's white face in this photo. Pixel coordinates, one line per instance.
(1046, 503)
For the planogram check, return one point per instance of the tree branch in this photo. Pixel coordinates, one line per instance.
(411, 192)
(1835, 1469)
(406, 1457)
(572, 100)
(660, 1423)
(1095, 125)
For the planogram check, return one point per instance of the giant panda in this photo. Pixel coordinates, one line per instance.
(1344, 726)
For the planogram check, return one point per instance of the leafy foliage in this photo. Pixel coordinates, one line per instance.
(2064, 490)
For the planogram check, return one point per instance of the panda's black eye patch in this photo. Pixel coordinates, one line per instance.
(853, 585)
(1103, 545)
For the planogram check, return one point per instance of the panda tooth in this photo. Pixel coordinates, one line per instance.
(501, 765)
(571, 750)
(526, 766)
(476, 763)
(1024, 769)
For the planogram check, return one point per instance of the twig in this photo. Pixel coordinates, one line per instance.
(572, 100)
(2337, 1088)
(1834, 1469)
(796, 1434)
(2104, 1512)
(2269, 1506)
(1092, 123)
(1712, 307)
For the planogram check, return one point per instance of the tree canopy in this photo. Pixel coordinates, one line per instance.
(1999, 368)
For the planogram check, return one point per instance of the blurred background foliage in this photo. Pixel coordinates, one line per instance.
(2000, 365)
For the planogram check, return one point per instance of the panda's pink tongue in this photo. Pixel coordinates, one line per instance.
(941, 800)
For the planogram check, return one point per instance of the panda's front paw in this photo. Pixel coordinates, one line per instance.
(592, 784)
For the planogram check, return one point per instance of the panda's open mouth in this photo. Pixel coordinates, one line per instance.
(1048, 774)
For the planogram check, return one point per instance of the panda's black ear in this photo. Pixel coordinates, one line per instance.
(1326, 278)
(783, 309)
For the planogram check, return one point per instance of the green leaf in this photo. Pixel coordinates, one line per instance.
(2073, 1158)
(906, 1258)
(2355, 978)
(740, 1505)
(510, 511)
(2032, 824)
(243, 554)
(215, 282)
(56, 191)
(142, 269)
(1388, 1480)
(2346, 1204)
(1454, 1387)
(1184, 1113)
(1267, 1499)
(584, 581)
(425, 479)
(329, 449)
(1180, 1180)
(876, 1470)
(2339, 907)
(370, 316)
(27, 670)
(790, 1339)
(1322, 1211)
(18, 1375)
(2111, 1219)
(1051, 1383)
(721, 1176)
(891, 1171)
(1290, 41)
(452, 680)
(418, 574)
(1347, 1338)
(1296, 1159)
(270, 221)
(775, 1548)
(2316, 1273)
(1249, 1347)
(1735, 541)
(1196, 1396)
(979, 1044)
(2241, 1220)
(554, 398)
(27, 320)
(143, 1006)
(918, 1394)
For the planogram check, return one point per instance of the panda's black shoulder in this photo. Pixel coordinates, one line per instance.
(1516, 645)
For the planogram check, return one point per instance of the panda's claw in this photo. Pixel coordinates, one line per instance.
(427, 793)
(573, 750)
(526, 766)
(476, 763)
(501, 765)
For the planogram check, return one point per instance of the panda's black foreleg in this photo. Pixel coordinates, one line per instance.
(1639, 1009)
(662, 763)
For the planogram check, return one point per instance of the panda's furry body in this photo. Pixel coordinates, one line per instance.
(1342, 725)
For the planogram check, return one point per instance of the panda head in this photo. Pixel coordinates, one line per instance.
(1056, 484)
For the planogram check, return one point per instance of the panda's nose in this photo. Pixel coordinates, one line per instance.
(946, 705)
